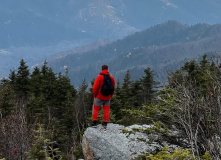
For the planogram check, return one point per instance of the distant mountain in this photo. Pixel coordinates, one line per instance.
(38, 30)
(39, 22)
(163, 47)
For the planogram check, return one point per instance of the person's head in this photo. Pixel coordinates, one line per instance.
(104, 67)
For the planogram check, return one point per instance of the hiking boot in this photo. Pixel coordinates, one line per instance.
(104, 124)
(93, 124)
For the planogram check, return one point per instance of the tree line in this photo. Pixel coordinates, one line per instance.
(42, 108)
(44, 104)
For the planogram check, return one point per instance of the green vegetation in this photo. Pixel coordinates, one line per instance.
(158, 127)
(38, 97)
(190, 102)
(179, 154)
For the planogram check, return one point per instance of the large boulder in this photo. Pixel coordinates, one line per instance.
(122, 143)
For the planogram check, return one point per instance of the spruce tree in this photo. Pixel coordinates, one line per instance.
(126, 93)
(136, 92)
(63, 106)
(35, 82)
(22, 79)
(12, 77)
(37, 150)
(124, 99)
(193, 98)
(116, 101)
(7, 97)
(149, 86)
(127, 81)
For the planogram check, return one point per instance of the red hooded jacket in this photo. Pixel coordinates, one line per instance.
(98, 85)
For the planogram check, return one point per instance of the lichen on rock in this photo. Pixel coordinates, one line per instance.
(116, 143)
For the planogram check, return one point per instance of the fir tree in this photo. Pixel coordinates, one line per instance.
(136, 92)
(21, 79)
(38, 150)
(127, 82)
(126, 93)
(116, 101)
(35, 82)
(12, 77)
(63, 106)
(149, 86)
(7, 97)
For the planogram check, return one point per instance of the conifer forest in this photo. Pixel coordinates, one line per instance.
(43, 116)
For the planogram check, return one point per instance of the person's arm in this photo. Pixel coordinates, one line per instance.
(96, 86)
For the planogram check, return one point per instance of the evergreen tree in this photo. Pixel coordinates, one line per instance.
(116, 101)
(35, 82)
(197, 72)
(124, 99)
(136, 92)
(42, 84)
(21, 79)
(37, 150)
(50, 100)
(63, 106)
(127, 82)
(48, 82)
(204, 63)
(82, 106)
(149, 86)
(126, 93)
(192, 99)
(12, 77)
(7, 97)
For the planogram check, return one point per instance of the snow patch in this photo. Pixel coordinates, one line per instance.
(168, 3)
(128, 55)
(65, 67)
(110, 7)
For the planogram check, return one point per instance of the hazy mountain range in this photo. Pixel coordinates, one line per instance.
(42, 22)
(43, 30)
(163, 48)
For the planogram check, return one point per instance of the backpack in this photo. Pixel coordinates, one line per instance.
(107, 86)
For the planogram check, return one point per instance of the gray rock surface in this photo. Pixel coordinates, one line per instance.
(119, 142)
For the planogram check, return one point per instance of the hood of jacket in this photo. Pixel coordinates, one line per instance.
(106, 72)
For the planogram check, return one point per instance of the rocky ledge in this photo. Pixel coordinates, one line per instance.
(119, 142)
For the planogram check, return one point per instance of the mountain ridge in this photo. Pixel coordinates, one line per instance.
(140, 50)
(50, 22)
(40, 30)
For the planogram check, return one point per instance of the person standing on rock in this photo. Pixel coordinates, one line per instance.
(103, 90)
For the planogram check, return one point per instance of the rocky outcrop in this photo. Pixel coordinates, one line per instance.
(86, 149)
(121, 143)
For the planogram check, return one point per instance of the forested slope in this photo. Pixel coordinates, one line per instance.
(162, 47)
(42, 108)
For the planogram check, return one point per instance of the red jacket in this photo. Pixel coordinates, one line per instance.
(98, 85)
